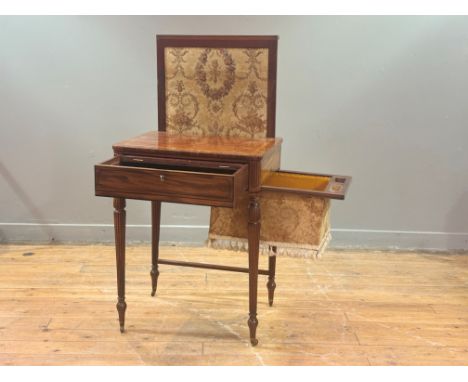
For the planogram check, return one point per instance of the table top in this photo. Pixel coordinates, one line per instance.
(158, 142)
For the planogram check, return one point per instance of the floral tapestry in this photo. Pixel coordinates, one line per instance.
(224, 92)
(216, 92)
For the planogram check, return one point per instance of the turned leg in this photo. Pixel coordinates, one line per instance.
(271, 285)
(155, 224)
(254, 241)
(119, 227)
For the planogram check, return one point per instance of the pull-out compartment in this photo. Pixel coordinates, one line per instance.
(327, 186)
(171, 180)
(294, 214)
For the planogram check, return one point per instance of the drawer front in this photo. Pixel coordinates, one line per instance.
(182, 182)
(326, 186)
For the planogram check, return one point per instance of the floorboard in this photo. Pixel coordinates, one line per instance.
(57, 307)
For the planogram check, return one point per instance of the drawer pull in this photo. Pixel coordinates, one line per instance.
(162, 178)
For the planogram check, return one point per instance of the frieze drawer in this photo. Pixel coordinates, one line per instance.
(171, 180)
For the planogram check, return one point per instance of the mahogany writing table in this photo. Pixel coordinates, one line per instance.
(211, 171)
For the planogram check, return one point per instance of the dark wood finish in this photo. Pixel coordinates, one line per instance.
(271, 108)
(155, 227)
(271, 284)
(184, 169)
(270, 162)
(255, 170)
(258, 42)
(208, 170)
(336, 189)
(198, 170)
(254, 242)
(119, 227)
(210, 266)
(185, 184)
(216, 41)
(253, 235)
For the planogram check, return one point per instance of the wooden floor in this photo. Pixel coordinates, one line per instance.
(57, 306)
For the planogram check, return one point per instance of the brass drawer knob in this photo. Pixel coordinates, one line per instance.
(162, 178)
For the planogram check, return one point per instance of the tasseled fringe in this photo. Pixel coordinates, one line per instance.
(266, 248)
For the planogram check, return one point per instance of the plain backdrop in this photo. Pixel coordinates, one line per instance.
(381, 98)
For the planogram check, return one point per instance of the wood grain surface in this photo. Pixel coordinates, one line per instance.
(171, 184)
(57, 307)
(159, 143)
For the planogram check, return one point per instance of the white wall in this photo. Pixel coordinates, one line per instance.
(383, 99)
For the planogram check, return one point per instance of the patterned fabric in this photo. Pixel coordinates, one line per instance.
(296, 224)
(221, 92)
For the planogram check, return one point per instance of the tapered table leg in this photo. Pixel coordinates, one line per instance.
(155, 224)
(119, 228)
(254, 242)
(271, 285)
